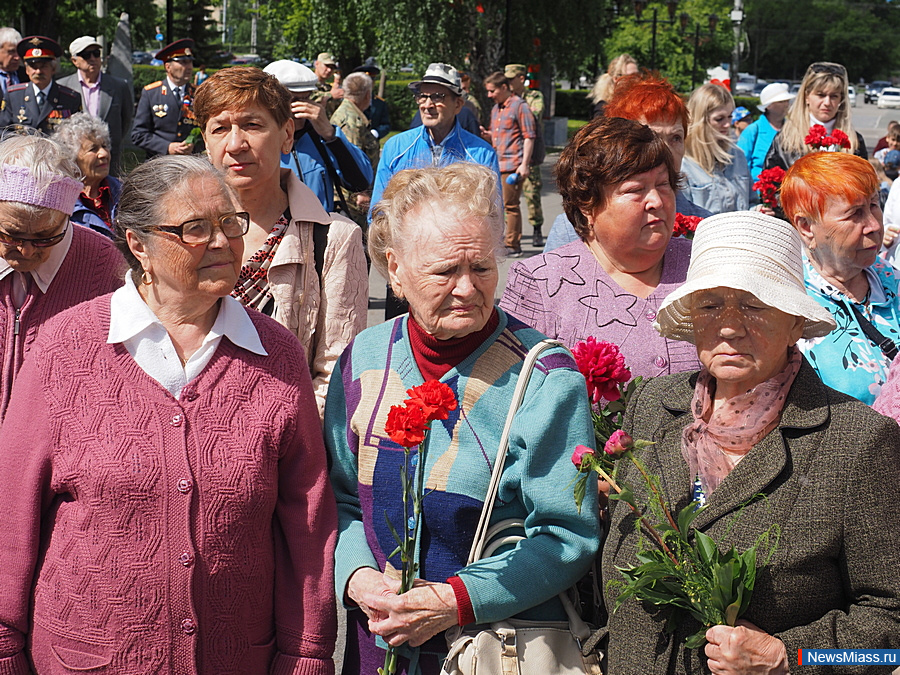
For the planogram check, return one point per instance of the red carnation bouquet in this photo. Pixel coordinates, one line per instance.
(685, 570)
(685, 225)
(408, 426)
(819, 139)
(767, 184)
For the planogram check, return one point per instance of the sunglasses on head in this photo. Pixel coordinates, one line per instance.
(830, 68)
(90, 54)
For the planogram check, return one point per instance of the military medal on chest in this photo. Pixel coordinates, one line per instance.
(22, 116)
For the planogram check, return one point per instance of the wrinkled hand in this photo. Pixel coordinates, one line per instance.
(315, 113)
(178, 148)
(366, 582)
(890, 234)
(414, 617)
(745, 650)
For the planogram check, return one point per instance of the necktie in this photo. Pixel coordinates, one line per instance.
(40, 99)
(7, 80)
(178, 93)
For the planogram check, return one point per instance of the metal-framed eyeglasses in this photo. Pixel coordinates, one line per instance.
(200, 230)
(437, 97)
(40, 242)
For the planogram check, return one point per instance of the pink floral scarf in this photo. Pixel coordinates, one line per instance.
(712, 449)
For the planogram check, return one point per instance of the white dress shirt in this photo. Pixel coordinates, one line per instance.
(133, 323)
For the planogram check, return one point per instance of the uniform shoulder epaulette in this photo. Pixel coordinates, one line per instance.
(153, 85)
(17, 87)
(65, 90)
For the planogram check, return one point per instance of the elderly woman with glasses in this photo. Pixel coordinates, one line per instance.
(87, 140)
(168, 509)
(47, 264)
(301, 265)
(758, 438)
(822, 100)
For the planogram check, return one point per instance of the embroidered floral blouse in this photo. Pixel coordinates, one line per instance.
(846, 359)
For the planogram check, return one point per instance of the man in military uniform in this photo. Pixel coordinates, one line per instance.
(531, 188)
(40, 103)
(326, 92)
(165, 119)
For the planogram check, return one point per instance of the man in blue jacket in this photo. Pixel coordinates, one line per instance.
(322, 155)
(440, 140)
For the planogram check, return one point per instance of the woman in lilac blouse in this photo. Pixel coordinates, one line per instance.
(618, 181)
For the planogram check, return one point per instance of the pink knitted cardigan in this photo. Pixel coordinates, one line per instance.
(93, 266)
(144, 534)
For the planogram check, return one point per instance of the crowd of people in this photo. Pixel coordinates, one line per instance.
(196, 459)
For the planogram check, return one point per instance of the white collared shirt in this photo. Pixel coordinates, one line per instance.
(133, 323)
(829, 126)
(44, 274)
(46, 91)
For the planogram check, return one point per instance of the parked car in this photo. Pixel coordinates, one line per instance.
(141, 58)
(889, 98)
(851, 95)
(873, 89)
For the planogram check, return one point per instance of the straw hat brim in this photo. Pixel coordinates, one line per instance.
(673, 320)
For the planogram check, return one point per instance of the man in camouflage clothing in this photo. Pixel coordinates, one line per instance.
(327, 93)
(531, 188)
(351, 119)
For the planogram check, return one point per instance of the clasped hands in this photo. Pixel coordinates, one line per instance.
(413, 617)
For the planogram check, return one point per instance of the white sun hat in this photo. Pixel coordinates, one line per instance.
(772, 93)
(747, 251)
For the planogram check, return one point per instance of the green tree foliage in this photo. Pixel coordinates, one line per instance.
(785, 37)
(65, 20)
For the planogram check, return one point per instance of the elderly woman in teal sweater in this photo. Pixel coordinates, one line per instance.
(434, 236)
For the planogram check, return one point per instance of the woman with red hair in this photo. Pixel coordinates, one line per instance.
(650, 100)
(832, 199)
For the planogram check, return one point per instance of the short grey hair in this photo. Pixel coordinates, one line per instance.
(9, 35)
(44, 158)
(144, 191)
(357, 86)
(467, 189)
(72, 131)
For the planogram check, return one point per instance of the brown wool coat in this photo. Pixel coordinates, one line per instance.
(830, 474)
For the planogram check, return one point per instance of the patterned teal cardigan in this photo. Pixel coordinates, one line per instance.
(373, 374)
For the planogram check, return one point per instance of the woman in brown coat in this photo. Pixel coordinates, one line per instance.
(758, 436)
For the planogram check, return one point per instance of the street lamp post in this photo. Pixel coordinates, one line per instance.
(685, 19)
(737, 17)
(639, 6)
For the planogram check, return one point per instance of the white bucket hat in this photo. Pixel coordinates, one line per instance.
(772, 93)
(747, 251)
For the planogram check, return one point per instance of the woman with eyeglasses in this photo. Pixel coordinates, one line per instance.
(822, 99)
(301, 265)
(716, 173)
(47, 264)
(162, 473)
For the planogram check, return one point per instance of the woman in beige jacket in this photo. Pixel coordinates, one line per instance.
(303, 266)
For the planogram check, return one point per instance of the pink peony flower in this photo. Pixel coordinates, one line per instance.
(603, 367)
(580, 452)
(618, 444)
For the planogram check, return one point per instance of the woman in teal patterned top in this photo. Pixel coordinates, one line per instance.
(435, 236)
(832, 200)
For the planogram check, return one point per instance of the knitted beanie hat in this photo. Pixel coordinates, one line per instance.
(55, 191)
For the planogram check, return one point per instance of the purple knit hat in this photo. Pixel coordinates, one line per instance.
(18, 184)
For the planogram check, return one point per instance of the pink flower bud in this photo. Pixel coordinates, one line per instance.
(580, 452)
(618, 444)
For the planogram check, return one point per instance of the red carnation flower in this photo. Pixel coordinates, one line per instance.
(840, 138)
(685, 225)
(435, 398)
(603, 367)
(768, 183)
(815, 136)
(406, 425)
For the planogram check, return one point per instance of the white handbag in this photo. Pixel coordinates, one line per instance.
(516, 646)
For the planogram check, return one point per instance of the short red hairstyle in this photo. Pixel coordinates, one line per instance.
(647, 98)
(819, 177)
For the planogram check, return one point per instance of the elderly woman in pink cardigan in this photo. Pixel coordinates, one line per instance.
(47, 263)
(162, 471)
